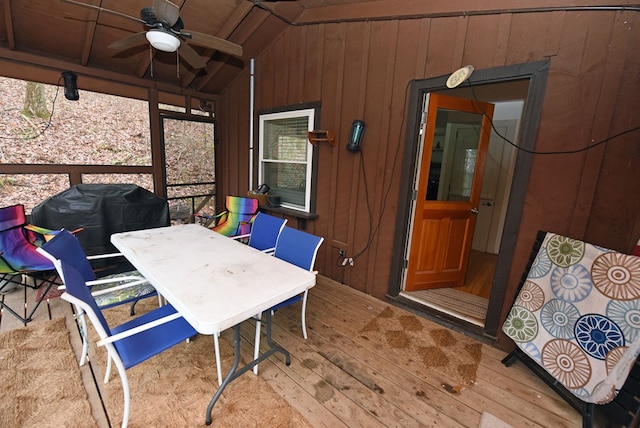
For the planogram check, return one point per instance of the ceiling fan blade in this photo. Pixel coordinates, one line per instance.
(129, 42)
(102, 9)
(191, 56)
(166, 11)
(216, 43)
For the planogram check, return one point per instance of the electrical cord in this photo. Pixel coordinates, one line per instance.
(373, 231)
(457, 13)
(370, 215)
(53, 107)
(553, 152)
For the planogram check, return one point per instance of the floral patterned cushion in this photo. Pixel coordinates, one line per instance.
(578, 316)
(119, 297)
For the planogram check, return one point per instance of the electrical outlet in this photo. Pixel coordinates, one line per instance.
(342, 253)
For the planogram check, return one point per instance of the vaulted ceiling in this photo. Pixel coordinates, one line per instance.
(76, 35)
(41, 38)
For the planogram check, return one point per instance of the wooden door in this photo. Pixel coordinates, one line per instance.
(455, 136)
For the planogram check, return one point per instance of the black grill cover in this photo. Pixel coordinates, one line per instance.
(102, 209)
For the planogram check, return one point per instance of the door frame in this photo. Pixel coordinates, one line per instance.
(536, 73)
(440, 242)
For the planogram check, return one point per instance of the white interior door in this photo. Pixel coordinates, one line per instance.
(495, 188)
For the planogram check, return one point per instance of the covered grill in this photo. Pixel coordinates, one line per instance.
(102, 209)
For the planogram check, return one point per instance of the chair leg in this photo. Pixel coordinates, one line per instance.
(304, 311)
(216, 345)
(588, 415)
(85, 340)
(107, 373)
(125, 392)
(256, 350)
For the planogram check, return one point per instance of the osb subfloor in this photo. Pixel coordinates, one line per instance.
(329, 394)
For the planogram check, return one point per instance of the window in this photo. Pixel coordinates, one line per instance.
(286, 156)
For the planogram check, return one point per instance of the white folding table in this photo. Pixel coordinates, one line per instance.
(213, 281)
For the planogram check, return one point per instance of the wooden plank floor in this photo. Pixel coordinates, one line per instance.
(23, 302)
(337, 378)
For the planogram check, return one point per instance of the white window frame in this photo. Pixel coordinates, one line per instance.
(310, 114)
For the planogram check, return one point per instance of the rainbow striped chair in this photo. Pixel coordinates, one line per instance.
(18, 243)
(19, 257)
(238, 216)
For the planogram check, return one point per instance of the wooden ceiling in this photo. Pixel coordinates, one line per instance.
(56, 34)
(41, 38)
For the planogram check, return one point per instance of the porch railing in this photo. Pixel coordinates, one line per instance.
(178, 211)
(75, 173)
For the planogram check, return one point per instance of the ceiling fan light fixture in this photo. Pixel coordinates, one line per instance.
(163, 41)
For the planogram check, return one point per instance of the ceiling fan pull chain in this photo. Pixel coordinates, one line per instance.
(151, 60)
(177, 65)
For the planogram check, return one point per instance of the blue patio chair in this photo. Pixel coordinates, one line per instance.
(110, 291)
(264, 232)
(299, 248)
(133, 342)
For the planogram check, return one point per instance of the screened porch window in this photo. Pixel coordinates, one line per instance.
(286, 156)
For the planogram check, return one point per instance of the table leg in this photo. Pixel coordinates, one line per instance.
(235, 372)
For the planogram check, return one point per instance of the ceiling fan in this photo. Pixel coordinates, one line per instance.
(166, 33)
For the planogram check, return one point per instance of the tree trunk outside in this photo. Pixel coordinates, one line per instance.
(35, 102)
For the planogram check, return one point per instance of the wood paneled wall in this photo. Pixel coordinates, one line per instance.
(361, 70)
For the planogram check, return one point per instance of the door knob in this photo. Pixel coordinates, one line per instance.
(474, 211)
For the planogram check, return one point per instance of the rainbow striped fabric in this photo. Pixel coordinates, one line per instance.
(18, 242)
(239, 215)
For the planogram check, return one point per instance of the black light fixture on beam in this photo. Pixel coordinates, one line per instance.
(70, 85)
(355, 137)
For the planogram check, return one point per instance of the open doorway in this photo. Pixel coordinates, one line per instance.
(469, 298)
(478, 299)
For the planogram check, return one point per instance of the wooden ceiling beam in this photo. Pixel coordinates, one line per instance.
(110, 79)
(238, 16)
(8, 20)
(250, 23)
(405, 9)
(143, 66)
(89, 35)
